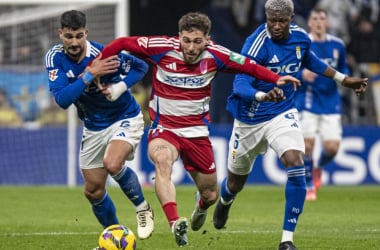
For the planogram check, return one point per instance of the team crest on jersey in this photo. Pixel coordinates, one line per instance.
(53, 74)
(335, 54)
(298, 52)
(203, 66)
(237, 58)
(143, 42)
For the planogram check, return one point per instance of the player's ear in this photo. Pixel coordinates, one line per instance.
(60, 33)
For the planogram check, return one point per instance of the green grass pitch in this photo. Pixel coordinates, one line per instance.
(60, 218)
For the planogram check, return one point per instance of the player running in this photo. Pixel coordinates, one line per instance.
(284, 48)
(113, 123)
(183, 68)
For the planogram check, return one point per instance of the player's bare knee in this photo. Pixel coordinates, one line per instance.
(94, 194)
(113, 166)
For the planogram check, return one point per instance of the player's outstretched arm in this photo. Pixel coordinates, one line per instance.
(359, 85)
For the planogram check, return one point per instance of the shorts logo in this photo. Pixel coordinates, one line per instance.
(122, 134)
(212, 166)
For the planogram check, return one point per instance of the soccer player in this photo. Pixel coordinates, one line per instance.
(183, 68)
(319, 101)
(284, 48)
(113, 123)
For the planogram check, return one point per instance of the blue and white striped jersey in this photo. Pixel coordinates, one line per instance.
(285, 58)
(93, 108)
(322, 96)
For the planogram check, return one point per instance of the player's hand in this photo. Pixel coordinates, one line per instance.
(275, 95)
(286, 79)
(359, 85)
(101, 67)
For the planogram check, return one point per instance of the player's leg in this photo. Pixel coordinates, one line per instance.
(95, 176)
(163, 154)
(331, 135)
(198, 159)
(94, 190)
(285, 138)
(310, 123)
(244, 146)
(121, 147)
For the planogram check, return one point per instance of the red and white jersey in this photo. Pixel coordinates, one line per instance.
(181, 91)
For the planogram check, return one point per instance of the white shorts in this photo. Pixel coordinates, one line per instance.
(328, 127)
(282, 133)
(94, 143)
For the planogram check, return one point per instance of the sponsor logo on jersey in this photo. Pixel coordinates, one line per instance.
(185, 81)
(288, 68)
(235, 57)
(53, 74)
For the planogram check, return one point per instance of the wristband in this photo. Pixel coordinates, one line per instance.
(87, 78)
(259, 96)
(116, 90)
(339, 77)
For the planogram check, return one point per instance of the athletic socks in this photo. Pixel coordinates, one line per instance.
(308, 161)
(105, 211)
(324, 159)
(226, 196)
(295, 192)
(171, 212)
(129, 183)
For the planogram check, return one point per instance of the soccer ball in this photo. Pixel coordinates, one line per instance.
(117, 237)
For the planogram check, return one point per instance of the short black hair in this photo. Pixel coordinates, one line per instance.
(73, 19)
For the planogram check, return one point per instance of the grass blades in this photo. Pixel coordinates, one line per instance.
(61, 218)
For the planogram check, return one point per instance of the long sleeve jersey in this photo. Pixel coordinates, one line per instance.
(181, 91)
(284, 58)
(93, 108)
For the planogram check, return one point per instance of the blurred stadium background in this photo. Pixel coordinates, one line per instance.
(38, 140)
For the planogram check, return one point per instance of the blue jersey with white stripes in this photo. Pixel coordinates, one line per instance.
(285, 58)
(322, 96)
(93, 108)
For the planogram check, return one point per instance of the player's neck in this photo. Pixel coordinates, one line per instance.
(319, 36)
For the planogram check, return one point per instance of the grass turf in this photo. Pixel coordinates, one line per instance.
(61, 218)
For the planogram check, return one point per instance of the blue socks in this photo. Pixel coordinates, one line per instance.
(105, 211)
(324, 159)
(295, 192)
(308, 161)
(226, 195)
(130, 185)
